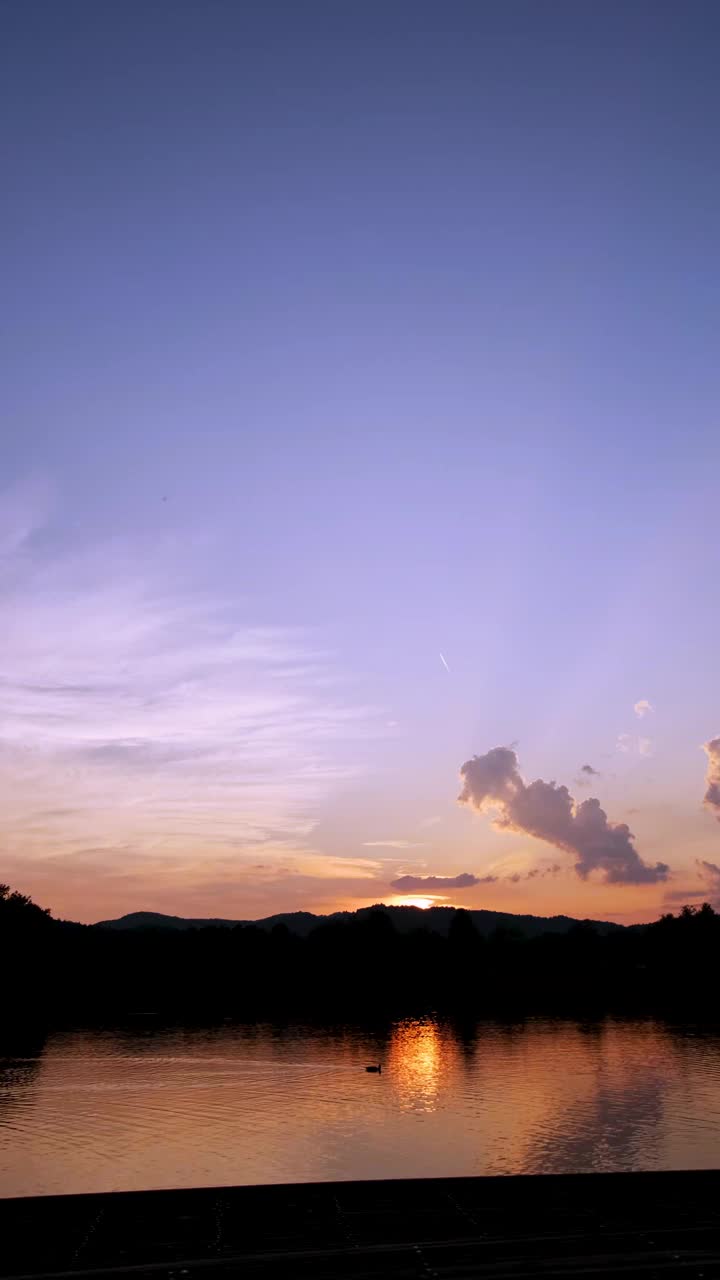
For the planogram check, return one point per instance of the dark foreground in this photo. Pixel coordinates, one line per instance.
(597, 1225)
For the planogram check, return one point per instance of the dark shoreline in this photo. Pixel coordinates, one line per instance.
(599, 1224)
(23, 1034)
(365, 966)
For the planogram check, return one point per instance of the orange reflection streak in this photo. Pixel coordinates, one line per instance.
(417, 1057)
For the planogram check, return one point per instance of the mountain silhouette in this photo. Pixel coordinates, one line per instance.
(436, 919)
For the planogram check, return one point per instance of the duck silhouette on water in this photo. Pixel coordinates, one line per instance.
(377, 1069)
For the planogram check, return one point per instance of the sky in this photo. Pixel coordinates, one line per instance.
(360, 456)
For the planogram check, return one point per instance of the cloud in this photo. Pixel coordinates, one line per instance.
(533, 874)
(628, 744)
(141, 712)
(710, 875)
(712, 777)
(394, 844)
(706, 890)
(548, 812)
(586, 774)
(93, 883)
(643, 708)
(466, 880)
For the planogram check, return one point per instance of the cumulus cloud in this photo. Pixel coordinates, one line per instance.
(712, 777)
(542, 809)
(643, 708)
(466, 880)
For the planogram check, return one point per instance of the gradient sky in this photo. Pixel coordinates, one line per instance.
(338, 337)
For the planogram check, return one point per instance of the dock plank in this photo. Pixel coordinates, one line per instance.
(595, 1225)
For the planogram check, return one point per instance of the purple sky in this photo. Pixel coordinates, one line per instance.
(338, 337)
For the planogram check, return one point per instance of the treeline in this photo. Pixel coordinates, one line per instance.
(61, 972)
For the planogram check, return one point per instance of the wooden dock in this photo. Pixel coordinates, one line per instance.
(599, 1225)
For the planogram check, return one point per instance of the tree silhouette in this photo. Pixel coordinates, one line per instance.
(358, 964)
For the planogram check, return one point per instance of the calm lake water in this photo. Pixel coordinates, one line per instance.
(122, 1109)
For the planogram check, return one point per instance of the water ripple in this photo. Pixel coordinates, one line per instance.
(109, 1110)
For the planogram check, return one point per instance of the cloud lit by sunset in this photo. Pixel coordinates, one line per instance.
(165, 747)
(358, 434)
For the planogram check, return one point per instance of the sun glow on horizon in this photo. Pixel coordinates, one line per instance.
(401, 900)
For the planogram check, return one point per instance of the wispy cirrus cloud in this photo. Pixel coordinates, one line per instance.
(629, 744)
(112, 878)
(394, 844)
(492, 782)
(140, 713)
(710, 875)
(705, 889)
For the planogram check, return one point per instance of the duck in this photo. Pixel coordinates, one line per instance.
(378, 1068)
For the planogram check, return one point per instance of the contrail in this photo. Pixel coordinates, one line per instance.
(444, 663)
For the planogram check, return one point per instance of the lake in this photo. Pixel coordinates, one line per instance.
(141, 1107)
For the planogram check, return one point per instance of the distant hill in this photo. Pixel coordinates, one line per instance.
(156, 920)
(301, 923)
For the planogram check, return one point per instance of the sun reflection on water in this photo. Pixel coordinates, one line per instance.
(415, 1058)
(122, 1110)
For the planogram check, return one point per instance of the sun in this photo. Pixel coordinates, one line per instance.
(403, 901)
